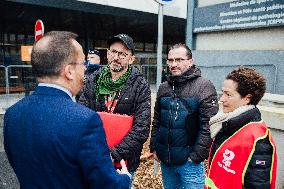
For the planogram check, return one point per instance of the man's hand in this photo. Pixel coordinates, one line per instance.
(123, 169)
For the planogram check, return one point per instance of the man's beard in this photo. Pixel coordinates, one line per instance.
(116, 68)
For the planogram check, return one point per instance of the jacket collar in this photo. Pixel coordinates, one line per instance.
(129, 82)
(50, 91)
(191, 73)
(217, 120)
(232, 125)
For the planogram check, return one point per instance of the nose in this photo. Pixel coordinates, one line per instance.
(222, 98)
(115, 56)
(174, 63)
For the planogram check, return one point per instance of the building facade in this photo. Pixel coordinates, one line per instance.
(94, 21)
(225, 34)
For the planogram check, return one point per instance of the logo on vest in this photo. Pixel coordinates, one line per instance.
(226, 162)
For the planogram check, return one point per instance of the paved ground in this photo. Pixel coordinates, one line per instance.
(8, 179)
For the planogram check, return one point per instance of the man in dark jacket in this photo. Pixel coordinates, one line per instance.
(121, 88)
(181, 136)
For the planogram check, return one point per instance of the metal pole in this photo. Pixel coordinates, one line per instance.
(189, 24)
(7, 79)
(159, 46)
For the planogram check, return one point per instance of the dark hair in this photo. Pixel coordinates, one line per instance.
(50, 55)
(188, 51)
(249, 82)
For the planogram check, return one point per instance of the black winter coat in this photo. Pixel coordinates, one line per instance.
(183, 109)
(256, 176)
(134, 99)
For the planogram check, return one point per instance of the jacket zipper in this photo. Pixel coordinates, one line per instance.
(170, 130)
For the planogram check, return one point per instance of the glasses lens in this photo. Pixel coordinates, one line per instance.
(120, 55)
(170, 61)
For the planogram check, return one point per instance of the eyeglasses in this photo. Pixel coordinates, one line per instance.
(177, 60)
(121, 55)
(82, 63)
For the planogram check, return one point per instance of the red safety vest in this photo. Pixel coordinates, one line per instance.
(230, 162)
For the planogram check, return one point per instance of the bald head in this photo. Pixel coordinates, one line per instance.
(51, 52)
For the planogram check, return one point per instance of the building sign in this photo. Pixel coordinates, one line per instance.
(239, 15)
(26, 52)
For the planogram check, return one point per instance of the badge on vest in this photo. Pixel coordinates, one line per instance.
(228, 156)
(260, 162)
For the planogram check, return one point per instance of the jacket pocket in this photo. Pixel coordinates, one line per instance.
(192, 127)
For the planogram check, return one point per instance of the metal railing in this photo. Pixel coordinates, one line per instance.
(150, 72)
(17, 79)
(2, 77)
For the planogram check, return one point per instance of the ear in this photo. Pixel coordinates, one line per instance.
(108, 54)
(191, 62)
(248, 98)
(132, 59)
(69, 71)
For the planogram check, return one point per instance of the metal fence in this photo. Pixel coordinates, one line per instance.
(2, 79)
(16, 79)
(150, 73)
(19, 78)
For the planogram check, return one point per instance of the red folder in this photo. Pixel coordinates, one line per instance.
(116, 127)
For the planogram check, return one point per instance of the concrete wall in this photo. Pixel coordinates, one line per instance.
(217, 53)
(274, 117)
(215, 65)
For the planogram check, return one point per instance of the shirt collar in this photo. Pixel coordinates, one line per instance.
(59, 88)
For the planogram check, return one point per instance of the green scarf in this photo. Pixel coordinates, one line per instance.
(105, 84)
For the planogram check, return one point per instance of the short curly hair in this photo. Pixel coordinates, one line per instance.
(249, 82)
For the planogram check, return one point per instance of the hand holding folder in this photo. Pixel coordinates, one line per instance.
(116, 128)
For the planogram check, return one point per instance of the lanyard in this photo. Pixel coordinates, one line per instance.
(110, 109)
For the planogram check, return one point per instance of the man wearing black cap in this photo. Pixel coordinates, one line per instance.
(93, 61)
(121, 88)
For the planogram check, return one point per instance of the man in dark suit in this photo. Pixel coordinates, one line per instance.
(51, 141)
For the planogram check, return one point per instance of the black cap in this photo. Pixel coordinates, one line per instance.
(127, 40)
(93, 51)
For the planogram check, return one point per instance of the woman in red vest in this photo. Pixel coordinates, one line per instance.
(243, 153)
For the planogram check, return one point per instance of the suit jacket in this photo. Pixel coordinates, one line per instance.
(52, 142)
